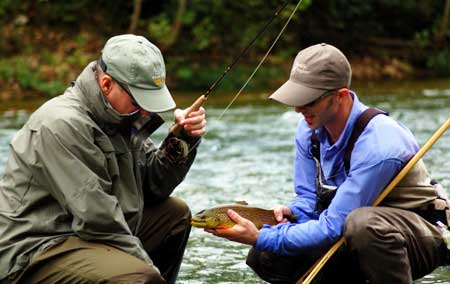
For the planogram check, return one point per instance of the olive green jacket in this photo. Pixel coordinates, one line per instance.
(75, 169)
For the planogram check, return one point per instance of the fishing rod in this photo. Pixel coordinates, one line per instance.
(314, 270)
(176, 128)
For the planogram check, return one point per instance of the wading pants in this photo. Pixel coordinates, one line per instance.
(382, 246)
(164, 233)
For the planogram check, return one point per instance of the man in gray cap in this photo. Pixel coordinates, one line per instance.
(346, 154)
(85, 197)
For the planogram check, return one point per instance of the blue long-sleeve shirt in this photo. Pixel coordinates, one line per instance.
(378, 155)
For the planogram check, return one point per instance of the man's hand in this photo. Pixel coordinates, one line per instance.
(244, 231)
(280, 211)
(194, 124)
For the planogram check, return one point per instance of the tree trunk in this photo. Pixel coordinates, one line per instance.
(137, 5)
(177, 25)
(440, 37)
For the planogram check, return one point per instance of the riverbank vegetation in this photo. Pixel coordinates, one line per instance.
(45, 44)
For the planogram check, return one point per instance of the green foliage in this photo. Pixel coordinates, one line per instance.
(5, 5)
(64, 11)
(221, 27)
(159, 28)
(47, 74)
(18, 71)
(440, 62)
(200, 77)
(423, 38)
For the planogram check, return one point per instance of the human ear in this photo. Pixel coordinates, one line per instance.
(343, 92)
(105, 83)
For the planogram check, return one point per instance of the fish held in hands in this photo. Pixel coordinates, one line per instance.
(216, 217)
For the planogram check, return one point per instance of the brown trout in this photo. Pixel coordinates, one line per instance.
(216, 217)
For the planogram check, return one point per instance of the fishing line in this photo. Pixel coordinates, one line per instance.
(261, 61)
(202, 98)
(176, 129)
(246, 49)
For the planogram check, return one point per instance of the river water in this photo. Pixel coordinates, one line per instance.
(247, 155)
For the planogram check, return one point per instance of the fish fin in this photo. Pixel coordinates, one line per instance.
(241, 202)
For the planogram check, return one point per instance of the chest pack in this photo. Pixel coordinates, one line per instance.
(324, 192)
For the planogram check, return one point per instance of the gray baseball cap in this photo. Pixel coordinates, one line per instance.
(316, 69)
(138, 64)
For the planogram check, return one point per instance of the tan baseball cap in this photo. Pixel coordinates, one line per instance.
(138, 64)
(316, 69)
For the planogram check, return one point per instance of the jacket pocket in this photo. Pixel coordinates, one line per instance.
(107, 148)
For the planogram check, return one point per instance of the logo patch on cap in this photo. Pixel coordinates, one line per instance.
(159, 81)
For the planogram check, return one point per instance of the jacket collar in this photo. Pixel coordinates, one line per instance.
(95, 102)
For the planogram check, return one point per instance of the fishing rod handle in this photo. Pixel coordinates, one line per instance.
(176, 128)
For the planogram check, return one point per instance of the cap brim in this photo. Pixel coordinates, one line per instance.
(294, 94)
(153, 100)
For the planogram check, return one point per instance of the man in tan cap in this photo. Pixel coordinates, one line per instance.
(346, 154)
(86, 194)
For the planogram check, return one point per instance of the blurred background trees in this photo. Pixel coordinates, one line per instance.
(46, 43)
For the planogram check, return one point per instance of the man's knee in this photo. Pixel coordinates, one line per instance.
(176, 208)
(261, 263)
(180, 207)
(371, 228)
(253, 259)
(357, 227)
(357, 221)
(274, 268)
